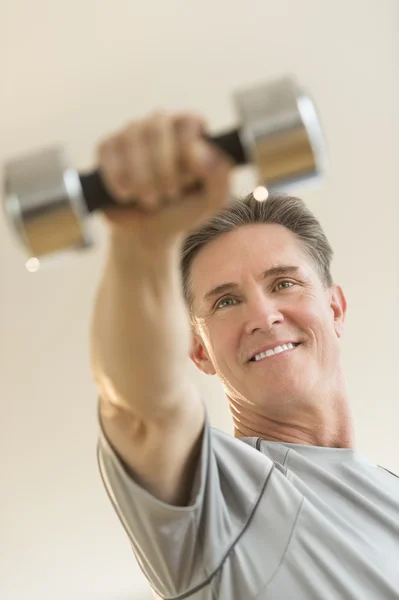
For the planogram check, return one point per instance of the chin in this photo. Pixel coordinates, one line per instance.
(290, 387)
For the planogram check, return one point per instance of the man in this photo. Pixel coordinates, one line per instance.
(287, 508)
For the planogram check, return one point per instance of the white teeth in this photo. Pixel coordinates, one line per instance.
(275, 350)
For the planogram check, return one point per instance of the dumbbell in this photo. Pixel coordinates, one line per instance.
(48, 203)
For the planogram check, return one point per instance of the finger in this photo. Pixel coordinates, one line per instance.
(164, 155)
(197, 155)
(201, 159)
(138, 161)
(113, 169)
(215, 196)
(218, 183)
(189, 126)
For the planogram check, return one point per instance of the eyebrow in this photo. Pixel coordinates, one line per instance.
(227, 287)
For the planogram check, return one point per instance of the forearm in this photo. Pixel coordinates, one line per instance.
(142, 333)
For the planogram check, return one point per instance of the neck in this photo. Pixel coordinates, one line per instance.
(327, 424)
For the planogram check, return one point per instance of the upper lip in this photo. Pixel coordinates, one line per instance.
(271, 347)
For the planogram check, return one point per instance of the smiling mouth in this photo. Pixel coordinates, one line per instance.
(273, 352)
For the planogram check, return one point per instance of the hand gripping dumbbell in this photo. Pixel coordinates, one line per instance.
(48, 203)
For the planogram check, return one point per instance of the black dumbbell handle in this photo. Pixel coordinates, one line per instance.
(96, 196)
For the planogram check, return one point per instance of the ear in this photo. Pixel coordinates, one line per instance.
(200, 356)
(338, 307)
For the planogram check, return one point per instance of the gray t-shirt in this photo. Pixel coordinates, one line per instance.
(266, 521)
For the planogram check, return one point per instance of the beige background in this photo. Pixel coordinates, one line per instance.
(74, 71)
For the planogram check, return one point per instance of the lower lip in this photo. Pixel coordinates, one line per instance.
(279, 354)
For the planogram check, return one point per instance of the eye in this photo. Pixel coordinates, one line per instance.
(285, 281)
(221, 303)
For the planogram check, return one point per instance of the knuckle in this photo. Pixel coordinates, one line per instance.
(131, 132)
(157, 124)
(188, 129)
(197, 123)
(160, 117)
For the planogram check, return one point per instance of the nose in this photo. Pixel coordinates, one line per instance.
(261, 313)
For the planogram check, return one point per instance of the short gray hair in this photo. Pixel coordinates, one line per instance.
(289, 211)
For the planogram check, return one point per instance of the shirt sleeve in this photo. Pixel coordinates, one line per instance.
(180, 548)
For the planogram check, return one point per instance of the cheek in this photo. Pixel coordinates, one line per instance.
(319, 322)
(223, 336)
(313, 316)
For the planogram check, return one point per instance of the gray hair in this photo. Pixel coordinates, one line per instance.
(282, 209)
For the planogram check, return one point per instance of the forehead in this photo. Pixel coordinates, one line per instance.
(250, 249)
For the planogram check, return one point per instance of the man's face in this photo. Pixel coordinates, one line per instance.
(262, 309)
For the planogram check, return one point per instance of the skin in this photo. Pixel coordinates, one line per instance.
(298, 396)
